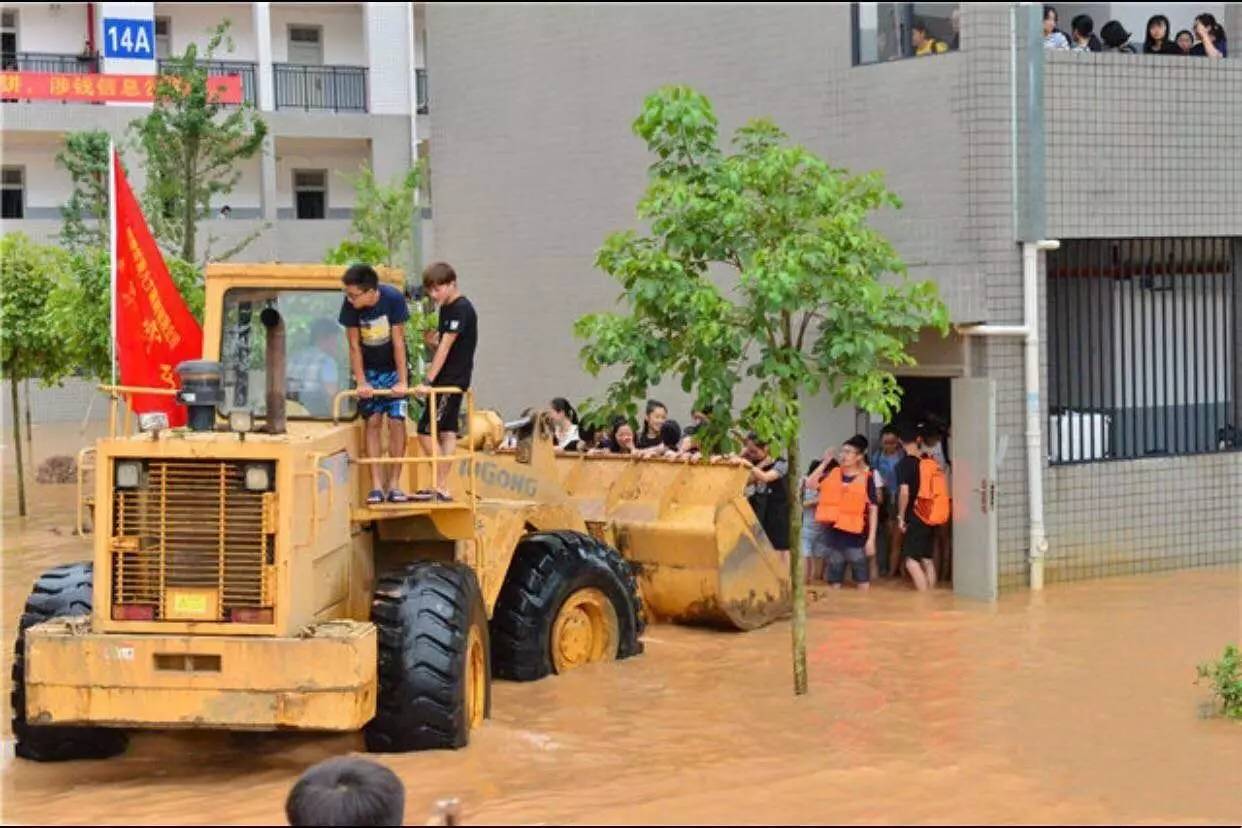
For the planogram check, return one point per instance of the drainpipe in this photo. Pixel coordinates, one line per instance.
(1029, 330)
(90, 28)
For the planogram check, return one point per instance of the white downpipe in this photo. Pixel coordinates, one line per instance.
(1029, 331)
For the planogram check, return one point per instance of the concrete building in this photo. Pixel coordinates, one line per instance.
(339, 85)
(1133, 162)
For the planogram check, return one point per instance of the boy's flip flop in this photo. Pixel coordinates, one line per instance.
(376, 496)
(397, 496)
(423, 495)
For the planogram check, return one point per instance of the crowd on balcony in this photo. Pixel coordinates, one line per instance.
(1207, 40)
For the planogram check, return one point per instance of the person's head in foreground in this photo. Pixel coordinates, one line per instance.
(346, 791)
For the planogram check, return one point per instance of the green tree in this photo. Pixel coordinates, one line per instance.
(383, 219)
(85, 214)
(80, 307)
(759, 267)
(30, 345)
(191, 146)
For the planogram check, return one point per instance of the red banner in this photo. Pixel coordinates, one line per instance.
(57, 86)
(154, 328)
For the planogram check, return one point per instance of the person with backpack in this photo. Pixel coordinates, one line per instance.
(922, 503)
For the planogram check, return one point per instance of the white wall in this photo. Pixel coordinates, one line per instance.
(343, 39)
(41, 29)
(342, 159)
(47, 184)
(387, 45)
(193, 23)
(248, 192)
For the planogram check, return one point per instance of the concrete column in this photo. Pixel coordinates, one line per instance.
(263, 44)
(267, 178)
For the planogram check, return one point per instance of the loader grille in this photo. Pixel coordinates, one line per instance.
(193, 542)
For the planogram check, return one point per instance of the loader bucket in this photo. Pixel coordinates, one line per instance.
(701, 555)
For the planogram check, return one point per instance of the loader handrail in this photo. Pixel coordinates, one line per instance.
(117, 392)
(81, 476)
(432, 393)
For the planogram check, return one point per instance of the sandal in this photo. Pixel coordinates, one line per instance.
(442, 497)
(375, 497)
(423, 495)
(397, 496)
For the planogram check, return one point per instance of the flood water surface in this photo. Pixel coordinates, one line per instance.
(1075, 705)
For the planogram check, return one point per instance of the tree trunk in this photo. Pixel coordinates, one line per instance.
(190, 204)
(796, 574)
(29, 430)
(15, 410)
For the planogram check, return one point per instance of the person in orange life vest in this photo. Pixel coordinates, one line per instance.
(915, 474)
(848, 503)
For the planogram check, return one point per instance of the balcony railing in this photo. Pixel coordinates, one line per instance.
(335, 88)
(420, 88)
(216, 68)
(51, 62)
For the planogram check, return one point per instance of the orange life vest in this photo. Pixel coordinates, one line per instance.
(843, 505)
(932, 505)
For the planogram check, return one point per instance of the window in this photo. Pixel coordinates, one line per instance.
(310, 193)
(8, 40)
(305, 45)
(1143, 348)
(891, 31)
(13, 181)
(317, 366)
(163, 38)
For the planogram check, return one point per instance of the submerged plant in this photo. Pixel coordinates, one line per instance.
(1225, 676)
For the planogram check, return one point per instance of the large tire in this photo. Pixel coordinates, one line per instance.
(549, 569)
(435, 680)
(65, 590)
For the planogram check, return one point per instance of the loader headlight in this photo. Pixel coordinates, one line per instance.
(128, 474)
(259, 477)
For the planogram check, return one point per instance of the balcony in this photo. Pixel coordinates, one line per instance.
(332, 88)
(420, 88)
(216, 68)
(54, 63)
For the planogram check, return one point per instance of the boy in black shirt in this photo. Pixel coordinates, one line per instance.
(454, 341)
(916, 545)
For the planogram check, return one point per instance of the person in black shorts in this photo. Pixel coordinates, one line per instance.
(916, 544)
(453, 364)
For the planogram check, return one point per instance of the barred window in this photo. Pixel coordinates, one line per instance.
(1142, 348)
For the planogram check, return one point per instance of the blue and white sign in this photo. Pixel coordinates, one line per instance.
(131, 39)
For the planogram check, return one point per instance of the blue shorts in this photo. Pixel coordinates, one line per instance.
(814, 536)
(840, 554)
(394, 407)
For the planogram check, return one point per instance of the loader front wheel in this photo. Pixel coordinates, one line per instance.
(434, 658)
(567, 600)
(59, 592)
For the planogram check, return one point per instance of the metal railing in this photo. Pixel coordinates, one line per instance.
(435, 459)
(1142, 348)
(217, 68)
(334, 88)
(421, 92)
(52, 62)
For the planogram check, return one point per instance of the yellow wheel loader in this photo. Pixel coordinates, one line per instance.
(240, 581)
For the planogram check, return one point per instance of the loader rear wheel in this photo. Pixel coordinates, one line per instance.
(434, 659)
(567, 600)
(63, 591)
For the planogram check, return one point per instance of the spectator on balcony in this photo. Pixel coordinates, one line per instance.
(1212, 42)
(1054, 38)
(1116, 38)
(1158, 41)
(924, 43)
(1082, 35)
(1185, 42)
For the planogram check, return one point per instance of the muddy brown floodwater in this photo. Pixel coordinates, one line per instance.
(1077, 705)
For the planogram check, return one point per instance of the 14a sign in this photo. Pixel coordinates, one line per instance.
(132, 39)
